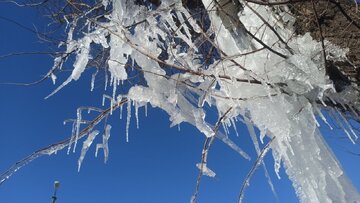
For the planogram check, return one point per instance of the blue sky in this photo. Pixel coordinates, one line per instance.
(156, 166)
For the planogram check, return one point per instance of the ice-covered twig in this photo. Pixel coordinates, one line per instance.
(257, 163)
(258, 152)
(58, 146)
(207, 144)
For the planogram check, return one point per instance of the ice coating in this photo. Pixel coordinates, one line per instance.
(283, 76)
(205, 170)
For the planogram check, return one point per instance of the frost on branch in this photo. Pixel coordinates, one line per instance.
(228, 55)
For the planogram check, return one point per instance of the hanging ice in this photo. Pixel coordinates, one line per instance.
(87, 143)
(128, 118)
(104, 145)
(205, 170)
(271, 78)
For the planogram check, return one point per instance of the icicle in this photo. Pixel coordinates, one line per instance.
(104, 144)
(128, 120)
(234, 126)
(322, 115)
(93, 81)
(81, 61)
(112, 102)
(72, 137)
(262, 135)
(332, 100)
(205, 170)
(121, 110)
(225, 139)
(252, 133)
(59, 88)
(53, 78)
(98, 146)
(78, 122)
(114, 88)
(136, 114)
(347, 124)
(277, 164)
(226, 130)
(87, 143)
(322, 101)
(202, 100)
(106, 79)
(315, 120)
(258, 152)
(145, 109)
(342, 127)
(200, 123)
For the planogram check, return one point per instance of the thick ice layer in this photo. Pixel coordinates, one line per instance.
(310, 164)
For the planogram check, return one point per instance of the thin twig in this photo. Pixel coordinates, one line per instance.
(253, 169)
(207, 144)
(60, 145)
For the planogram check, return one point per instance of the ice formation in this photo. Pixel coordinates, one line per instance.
(87, 143)
(104, 145)
(279, 87)
(205, 170)
(271, 78)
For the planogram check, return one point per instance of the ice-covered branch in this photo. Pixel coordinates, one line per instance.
(51, 149)
(242, 57)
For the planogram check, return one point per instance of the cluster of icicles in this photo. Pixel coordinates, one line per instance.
(269, 78)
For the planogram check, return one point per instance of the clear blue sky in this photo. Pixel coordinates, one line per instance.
(156, 166)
